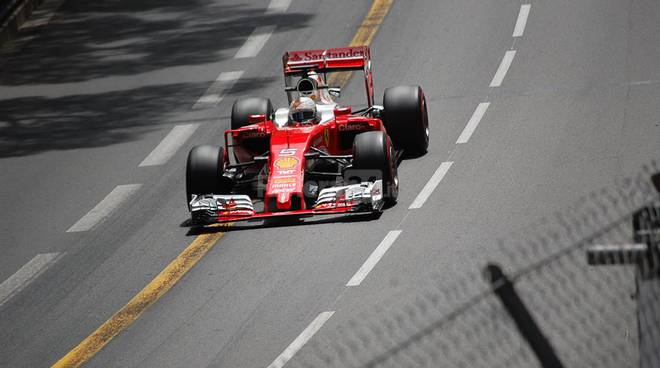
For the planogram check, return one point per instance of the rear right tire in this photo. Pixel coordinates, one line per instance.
(406, 119)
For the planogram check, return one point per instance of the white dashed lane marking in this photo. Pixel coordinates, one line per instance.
(503, 68)
(216, 92)
(373, 259)
(105, 208)
(21, 278)
(521, 22)
(255, 42)
(430, 185)
(301, 340)
(169, 145)
(473, 122)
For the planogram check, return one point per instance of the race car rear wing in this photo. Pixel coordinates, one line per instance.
(340, 59)
(337, 59)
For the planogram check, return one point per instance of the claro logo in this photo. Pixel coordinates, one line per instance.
(352, 127)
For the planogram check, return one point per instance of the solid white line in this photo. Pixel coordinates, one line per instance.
(430, 186)
(373, 259)
(473, 122)
(19, 280)
(278, 6)
(216, 92)
(169, 145)
(519, 29)
(301, 340)
(503, 68)
(255, 42)
(105, 208)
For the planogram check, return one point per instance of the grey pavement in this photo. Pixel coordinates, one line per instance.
(89, 98)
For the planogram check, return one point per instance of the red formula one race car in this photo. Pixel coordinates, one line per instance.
(315, 157)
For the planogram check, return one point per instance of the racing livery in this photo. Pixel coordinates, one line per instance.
(314, 157)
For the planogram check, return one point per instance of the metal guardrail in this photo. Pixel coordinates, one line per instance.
(644, 254)
(552, 307)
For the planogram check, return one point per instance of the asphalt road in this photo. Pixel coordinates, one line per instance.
(99, 87)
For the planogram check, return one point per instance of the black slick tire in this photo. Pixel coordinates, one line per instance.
(406, 119)
(243, 108)
(204, 171)
(373, 159)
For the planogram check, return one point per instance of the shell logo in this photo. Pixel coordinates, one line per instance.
(284, 163)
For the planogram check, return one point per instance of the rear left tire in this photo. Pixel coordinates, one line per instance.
(242, 109)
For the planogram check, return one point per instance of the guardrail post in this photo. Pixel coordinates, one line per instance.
(527, 326)
(644, 253)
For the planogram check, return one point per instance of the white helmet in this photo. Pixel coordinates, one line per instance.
(303, 110)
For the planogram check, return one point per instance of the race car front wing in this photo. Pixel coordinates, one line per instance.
(213, 208)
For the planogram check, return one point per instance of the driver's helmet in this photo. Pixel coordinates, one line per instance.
(303, 111)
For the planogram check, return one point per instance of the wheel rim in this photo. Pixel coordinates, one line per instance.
(425, 119)
(394, 172)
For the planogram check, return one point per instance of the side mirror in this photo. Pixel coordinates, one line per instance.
(377, 111)
(256, 119)
(343, 110)
(334, 91)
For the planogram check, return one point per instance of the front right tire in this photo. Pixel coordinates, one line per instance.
(374, 159)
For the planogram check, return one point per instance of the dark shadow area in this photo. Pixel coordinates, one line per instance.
(36, 124)
(280, 222)
(89, 40)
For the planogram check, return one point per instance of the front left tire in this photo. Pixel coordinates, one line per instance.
(204, 171)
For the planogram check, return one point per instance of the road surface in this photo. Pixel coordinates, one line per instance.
(533, 104)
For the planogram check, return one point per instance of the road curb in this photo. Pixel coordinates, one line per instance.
(20, 11)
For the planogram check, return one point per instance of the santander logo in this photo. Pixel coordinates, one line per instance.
(295, 57)
(312, 55)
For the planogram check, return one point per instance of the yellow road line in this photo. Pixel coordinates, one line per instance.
(370, 25)
(93, 343)
(364, 35)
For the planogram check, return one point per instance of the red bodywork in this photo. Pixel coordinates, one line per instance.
(288, 146)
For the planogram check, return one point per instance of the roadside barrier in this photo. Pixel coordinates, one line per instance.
(579, 289)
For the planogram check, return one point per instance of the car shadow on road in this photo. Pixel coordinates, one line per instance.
(279, 222)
